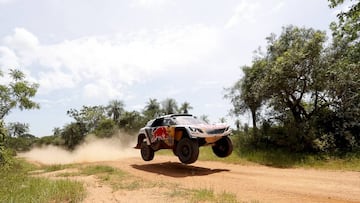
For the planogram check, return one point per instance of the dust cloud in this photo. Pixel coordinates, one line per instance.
(92, 150)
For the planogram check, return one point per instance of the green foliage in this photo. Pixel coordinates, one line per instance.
(266, 153)
(152, 109)
(131, 121)
(185, 107)
(23, 143)
(169, 106)
(17, 129)
(17, 93)
(88, 116)
(106, 128)
(310, 94)
(50, 140)
(248, 93)
(205, 118)
(73, 134)
(17, 186)
(114, 109)
(105, 121)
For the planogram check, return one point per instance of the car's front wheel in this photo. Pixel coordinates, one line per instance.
(223, 147)
(147, 153)
(187, 150)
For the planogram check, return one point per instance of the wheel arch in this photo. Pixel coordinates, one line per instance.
(181, 132)
(141, 138)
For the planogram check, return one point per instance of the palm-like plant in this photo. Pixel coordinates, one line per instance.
(169, 106)
(114, 109)
(152, 108)
(185, 107)
(205, 118)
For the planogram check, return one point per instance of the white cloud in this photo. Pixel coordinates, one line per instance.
(8, 58)
(5, 1)
(245, 11)
(106, 63)
(253, 11)
(278, 6)
(55, 80)
(23, 44)
(21, 40)
(149, 3)
(102, 89)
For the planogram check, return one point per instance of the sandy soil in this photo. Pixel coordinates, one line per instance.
(249, 183)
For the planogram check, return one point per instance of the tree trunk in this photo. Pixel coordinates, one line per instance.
(253, 115)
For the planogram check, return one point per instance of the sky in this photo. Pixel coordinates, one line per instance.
(88, 52)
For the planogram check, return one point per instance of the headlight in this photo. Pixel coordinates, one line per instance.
(195, 130)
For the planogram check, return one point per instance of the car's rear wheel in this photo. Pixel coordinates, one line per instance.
(147, 153)
(187, 150)
(223, 147)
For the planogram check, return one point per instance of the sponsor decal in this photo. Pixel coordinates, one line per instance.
(159, 133)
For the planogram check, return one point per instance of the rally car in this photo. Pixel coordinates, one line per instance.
(184, 134)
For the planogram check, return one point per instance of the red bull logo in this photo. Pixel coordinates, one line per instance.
(159, 133)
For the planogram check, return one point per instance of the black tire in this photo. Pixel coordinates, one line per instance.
(187, 150)
(223, 147)
(147, 153)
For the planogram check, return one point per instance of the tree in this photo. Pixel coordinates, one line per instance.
(17, 94)
(89, 116)
(294, 59)
(114, 109)
(56, 131)
(237, 124)
(106, 128)
(248, 93)
(348, 26)
(152, 109)
(73, 134)
(131, 120)
(222, 120)
(17, 129)
(185, 107)
(169, 106)
(343, 86)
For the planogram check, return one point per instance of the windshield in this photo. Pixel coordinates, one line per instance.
(188, 120)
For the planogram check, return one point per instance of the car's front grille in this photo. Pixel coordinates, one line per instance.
(216, 131)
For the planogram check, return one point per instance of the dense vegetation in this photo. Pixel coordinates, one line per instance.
(105, 121)
(304, 95)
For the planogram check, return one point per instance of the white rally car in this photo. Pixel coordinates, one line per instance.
(184, 134)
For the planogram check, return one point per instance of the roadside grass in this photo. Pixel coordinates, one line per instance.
(279, 159)
(18, 186)
(202, 195)
(57, 167)
(98, 169)
(282, 159)
(116, 178)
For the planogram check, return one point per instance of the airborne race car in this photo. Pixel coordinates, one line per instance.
(184, 134)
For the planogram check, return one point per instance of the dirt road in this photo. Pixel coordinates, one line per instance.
(249, 183)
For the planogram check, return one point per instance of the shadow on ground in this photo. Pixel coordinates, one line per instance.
(176, 170)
